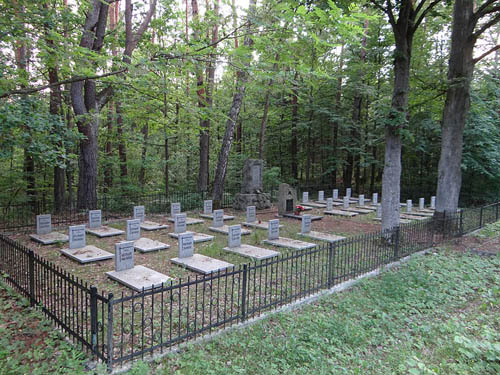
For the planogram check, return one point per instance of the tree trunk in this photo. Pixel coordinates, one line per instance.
(294, 142)
(142, 171)
(122, 148)
(108, 169)
(335, 123)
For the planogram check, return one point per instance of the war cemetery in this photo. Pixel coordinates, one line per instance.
(256, 187)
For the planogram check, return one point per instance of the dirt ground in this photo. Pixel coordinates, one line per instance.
(478, 245)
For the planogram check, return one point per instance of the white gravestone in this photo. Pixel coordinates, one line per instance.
(329, 204)
(180, 223)
(433, 202)
(375, 198)
(133, 229)
(274, 229)
(207, 207)
(321, 195)
(251, 214)
(95, 219)
(306, 224)
(379, 211)
(76, 236)
(305, 197)
(421, 203)
(335, 194)
(175, 209)
(186, 245)
(361, 199)
(43, 224)
(124, 256)
(218, 220)
(409, 205)
(234, 238)
(348, 192)
(346, 202)
(139, 213)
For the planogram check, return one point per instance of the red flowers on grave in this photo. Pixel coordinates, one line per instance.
(298, 210)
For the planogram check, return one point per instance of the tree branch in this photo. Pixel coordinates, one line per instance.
(482, 9)
(424, 13)
(479, 58)
(486, 26)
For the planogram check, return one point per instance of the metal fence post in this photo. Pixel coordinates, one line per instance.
(396, 243)
(244, 293)
(31, 269)
(461, 225)
(330, 268)
(93, 318)
(109, 336)
(481, 217)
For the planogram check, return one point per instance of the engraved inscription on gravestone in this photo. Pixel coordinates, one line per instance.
(218, 220)
(379, 211)
(375, 198)
(186, 245)
(346, 202)
(335, 193)
(348, 192)
(95, 218)
(139, 213)
(421, 203)
(433, 202)
(251, 214)
(234, 235)
(180, 223)
(306, 224)
(305, 197)
(321, 195)
(256, 177)
(274, 229)
(124, 256)
(43, 224)
(409, 205)
(133, 229)
(175, 208)
(76, 236)
(207, 206)
(361, 199)
(329, 204)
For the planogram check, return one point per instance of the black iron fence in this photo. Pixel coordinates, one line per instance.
(119, 328)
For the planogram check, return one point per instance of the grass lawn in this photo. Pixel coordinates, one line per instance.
(439, 314)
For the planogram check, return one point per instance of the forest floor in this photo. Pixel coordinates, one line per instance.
(95, 273)
(438, 314)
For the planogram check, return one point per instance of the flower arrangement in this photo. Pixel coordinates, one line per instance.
(298, 210)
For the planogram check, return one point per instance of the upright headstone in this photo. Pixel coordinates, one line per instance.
(43, 224)
(218, 220)
(207, 207)
(124, 256)
(329, 204)
(375, 198)
(175, 209)
(76, 236)
(379, 211)
(346, 202)
(95, 219)
(361, 199)
(409, 205)
(286, 200)
(433, 202)
(133, 229)
(139, 213)
(186, 245)
(306, 224)
(234, 237)
(305, 197)
(421, 203)
(180, 223)
(348, 192)
(274, 229)
(321, 195)
(251, 214)
(335, 194)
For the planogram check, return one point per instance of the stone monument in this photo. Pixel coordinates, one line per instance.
(251, 188)
(286, 200)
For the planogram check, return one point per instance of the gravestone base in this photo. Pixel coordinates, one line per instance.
(327, 237)
(202, 263)
(211, 216)
(261, 201)
(146, 245)
(312, 204)
(151, 225)
(139, 278)
(290, 243)
(413, 217)
(264, 225)
(49, 238)
(368, 208)
(197, 237)
(189, 220)
(104, 231)
(422, 213)
(401, 221)
(340, 213)
(357, 210)
(87, 254)
(299, 217)
(253, 252)
(225, 230)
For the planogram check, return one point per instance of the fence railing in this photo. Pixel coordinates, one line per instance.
(119, 328)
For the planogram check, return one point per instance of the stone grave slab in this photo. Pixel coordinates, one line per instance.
(357, 210)
(401, 221)
(225, 230)
(197, 237)
(313, 204)
(366, 208)
(321, 196)
(151, 225)
(428, 210)
(211, 216)
(104, 231)
(251, 214)
(87, 254)
(340, 213)
(77, 238)
(49, 238)
(305, 197)
(290, 243)
(422, 213)
(253, 252)
(299, 217)
(189, 220)
(327, 237)
(201, 263)
(413, 217)
(139, 278)
(139, 213)
(146, 245)
(262, 225)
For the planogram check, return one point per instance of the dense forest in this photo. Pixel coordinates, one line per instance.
(122, 97)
